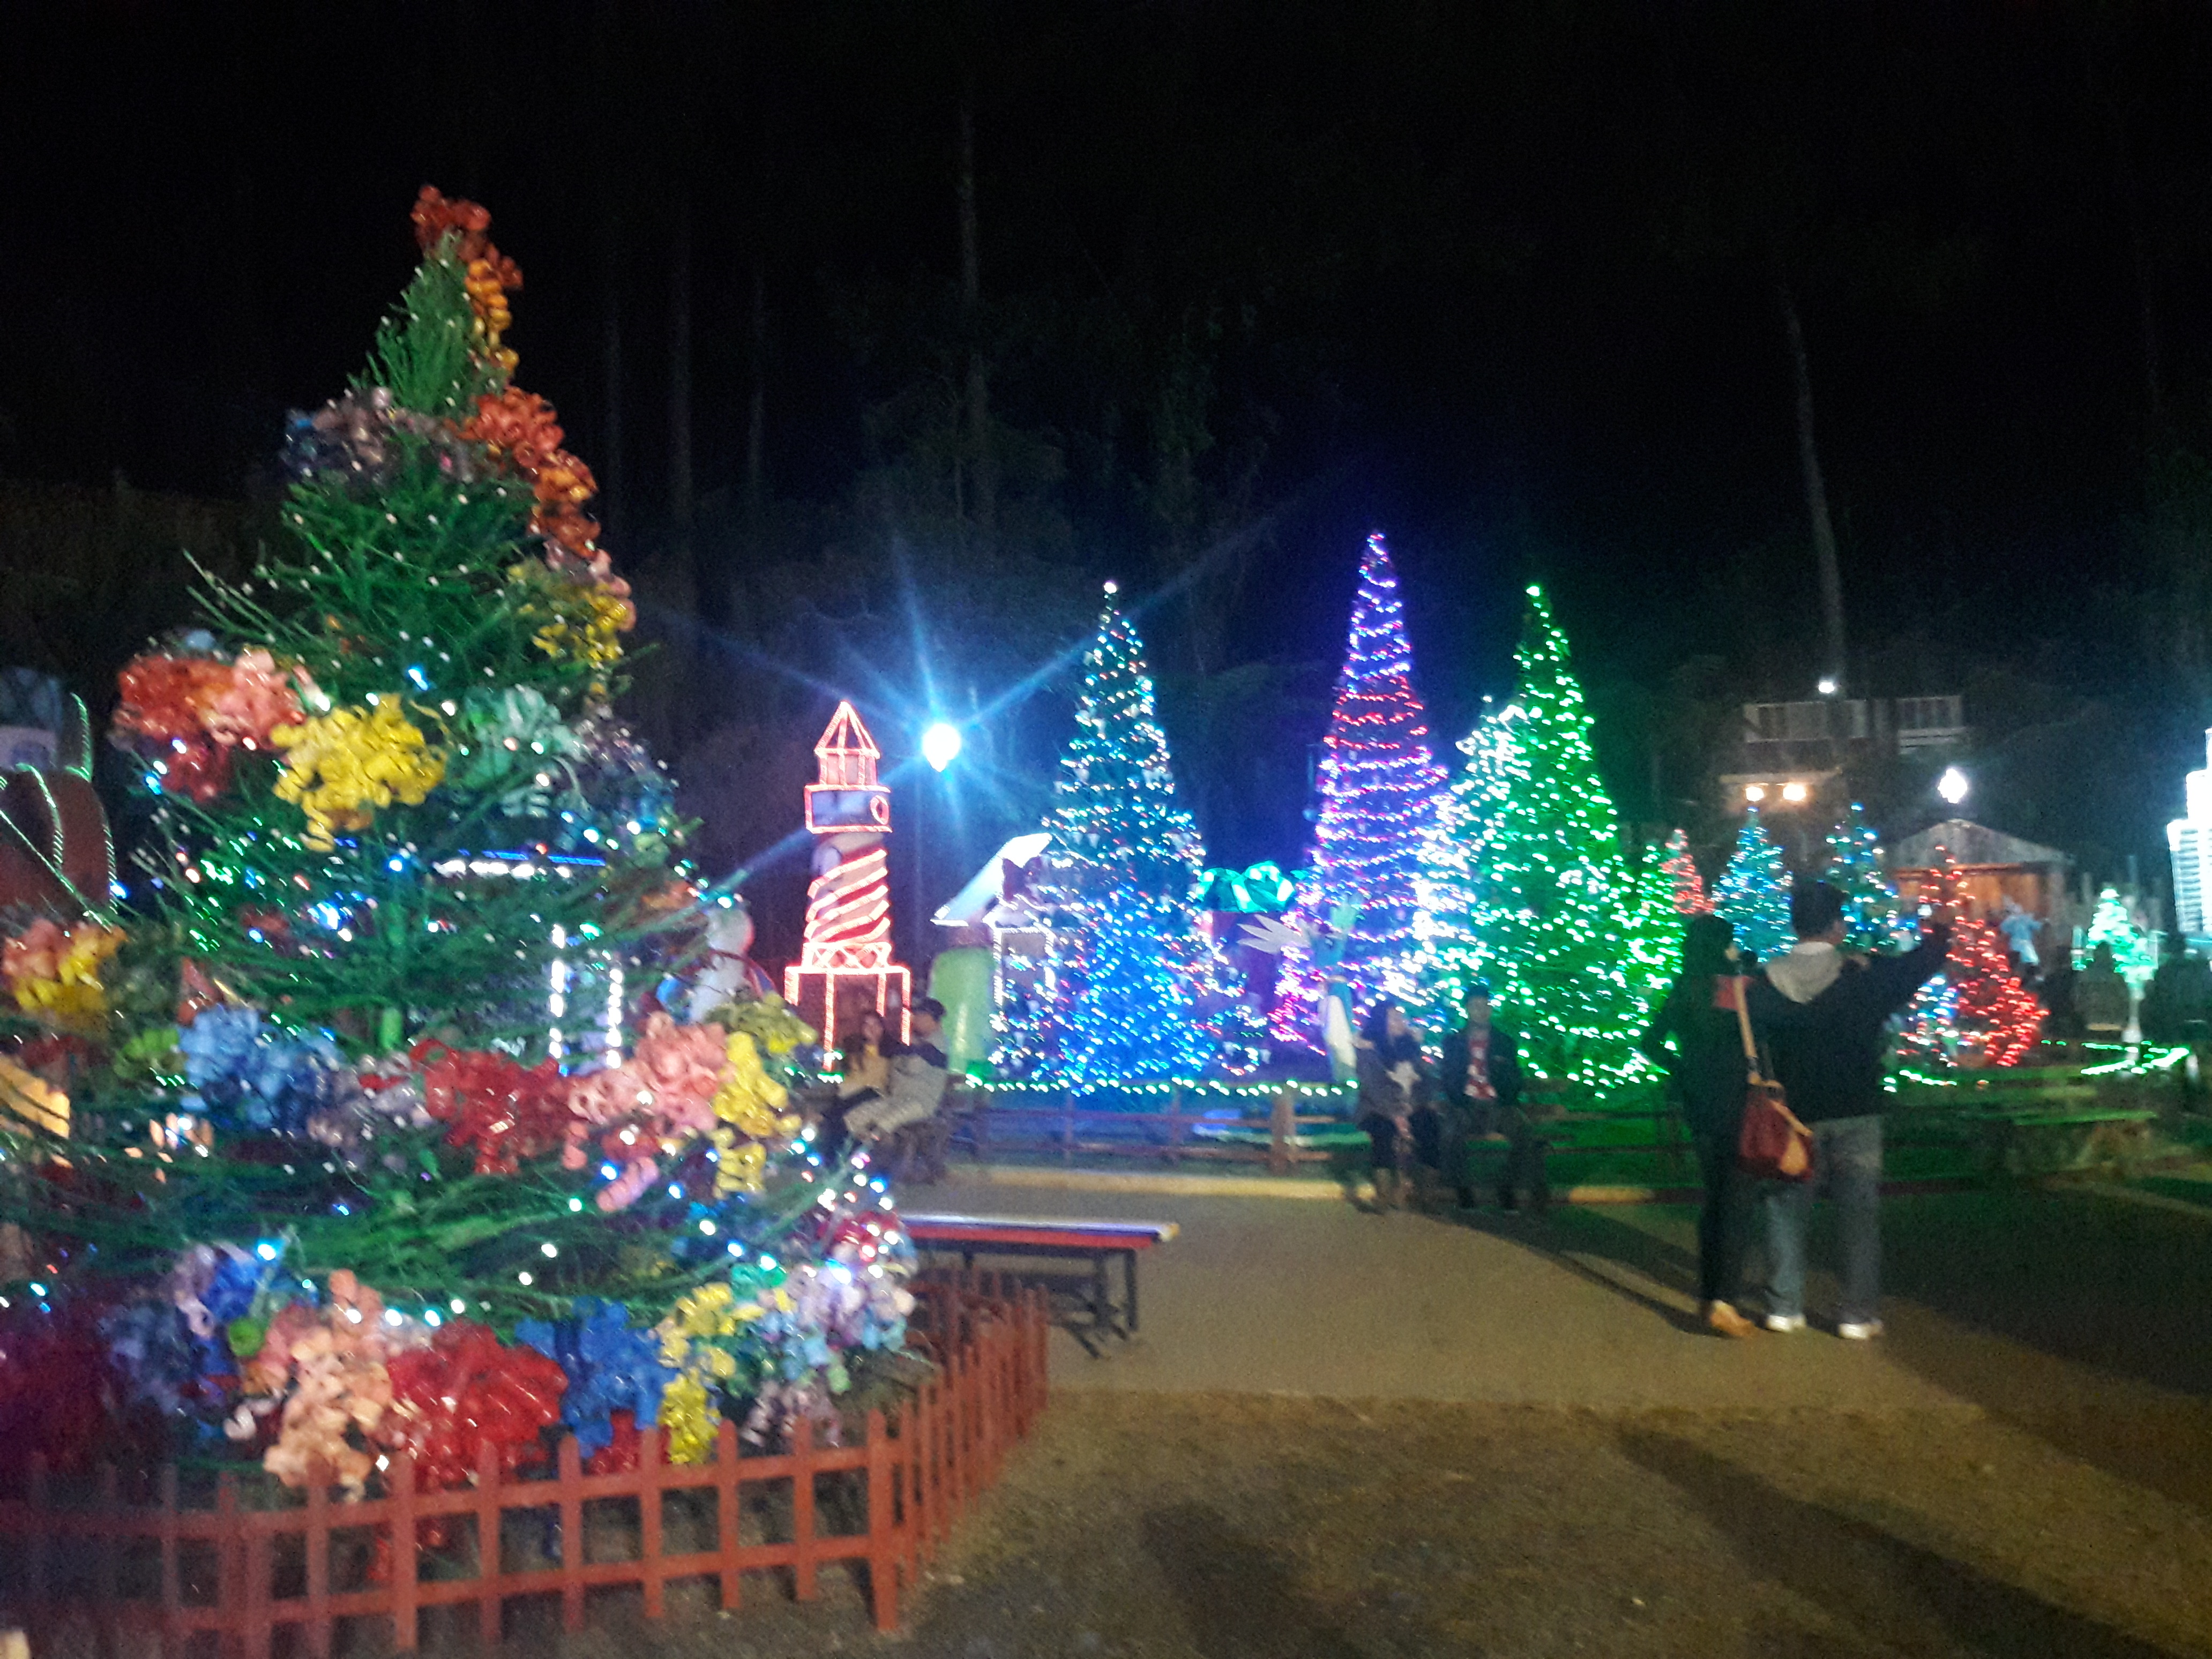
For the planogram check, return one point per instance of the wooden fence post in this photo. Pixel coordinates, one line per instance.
(172, 1583)
(488, 1553)
(652, 1469)
(406, 1631)
(34, 1567)
(569, 1466)
(726, 1512)
(883, 1534)
(802, 1507)
(1282, 1130)
(317, 1541)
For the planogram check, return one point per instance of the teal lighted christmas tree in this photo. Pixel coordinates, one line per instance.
(1566, 932)
(1448, 954)
(1754, 892)
(1379, 786)
(1119, 995)
(1875, 917)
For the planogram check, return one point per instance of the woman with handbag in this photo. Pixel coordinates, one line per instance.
(1707, 1066)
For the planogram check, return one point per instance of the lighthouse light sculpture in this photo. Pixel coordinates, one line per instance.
(845, 961)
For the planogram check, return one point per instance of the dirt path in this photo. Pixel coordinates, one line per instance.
(1346, 1435)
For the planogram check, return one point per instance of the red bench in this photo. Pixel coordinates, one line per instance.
(1034, 1237)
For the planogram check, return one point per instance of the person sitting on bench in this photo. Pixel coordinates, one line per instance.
(916, 1084)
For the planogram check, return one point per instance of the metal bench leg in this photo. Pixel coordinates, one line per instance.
(1129, 1285)
(1101, 1295)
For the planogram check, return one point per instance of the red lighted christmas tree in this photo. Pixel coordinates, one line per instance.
(1690, 897)
(1976, 1010)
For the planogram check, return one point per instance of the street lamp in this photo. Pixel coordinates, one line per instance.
(1952, 785)
(1828, 687)
(940, 744)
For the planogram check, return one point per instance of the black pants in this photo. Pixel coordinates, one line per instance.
(1524, 1164)
(830, 1141)
(1724, 1220)
(1424, 1144)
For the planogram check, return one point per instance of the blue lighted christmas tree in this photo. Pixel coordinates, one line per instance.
(1380, 788)
(1875, 917)
(1118, 998)
(1754, 892)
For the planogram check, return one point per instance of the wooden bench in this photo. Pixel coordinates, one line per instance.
(1035, 1238)
(2028, 1140)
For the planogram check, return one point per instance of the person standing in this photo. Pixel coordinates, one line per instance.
(1395, 1109)
(2101, 1000)
(1480, 1081)
(1823, 1018)
(1706, 1070)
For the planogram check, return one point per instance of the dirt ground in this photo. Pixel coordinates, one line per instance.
(1343, 1436)
(1249, 1527)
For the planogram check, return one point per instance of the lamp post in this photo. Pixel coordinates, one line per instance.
(941, 744)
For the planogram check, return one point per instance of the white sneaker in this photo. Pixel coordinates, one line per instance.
(1785, 1322)
(1859, 1330)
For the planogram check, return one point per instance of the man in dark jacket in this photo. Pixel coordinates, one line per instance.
(1824, 1019)
(1479, 1082)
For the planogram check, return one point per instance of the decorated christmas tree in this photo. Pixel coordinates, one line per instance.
(1688, 897)
(1975, 1012)
(1566, 932)
(1128, 964)
(1754, 892)
(2133, 953)
(1875, 917)
(1380, 786)
(370, 1137)
(1997, 1021)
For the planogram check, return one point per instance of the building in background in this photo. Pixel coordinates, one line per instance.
(2189, 844)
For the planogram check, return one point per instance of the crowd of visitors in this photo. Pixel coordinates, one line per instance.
(1816, 1021)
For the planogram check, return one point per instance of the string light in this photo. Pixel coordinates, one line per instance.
(848, 904)
(1532, 890)
(1689, 896)
(1116, 996)
(1753, 893)
(1380, 789)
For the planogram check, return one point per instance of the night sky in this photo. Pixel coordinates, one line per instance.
(1499, 280)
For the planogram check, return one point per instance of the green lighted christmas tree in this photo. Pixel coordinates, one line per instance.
(2112, 924)
(1121, 996)
(1564, 930)
(1754, 892)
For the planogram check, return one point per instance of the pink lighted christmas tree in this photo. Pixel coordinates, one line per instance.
(1379, 785)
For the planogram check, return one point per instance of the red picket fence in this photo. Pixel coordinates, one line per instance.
(916, 1469)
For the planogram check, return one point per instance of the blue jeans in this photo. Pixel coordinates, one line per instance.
(1847, 1160)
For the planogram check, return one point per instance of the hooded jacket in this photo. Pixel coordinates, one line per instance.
(1823, 1017)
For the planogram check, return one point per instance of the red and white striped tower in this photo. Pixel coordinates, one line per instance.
(844, 962)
